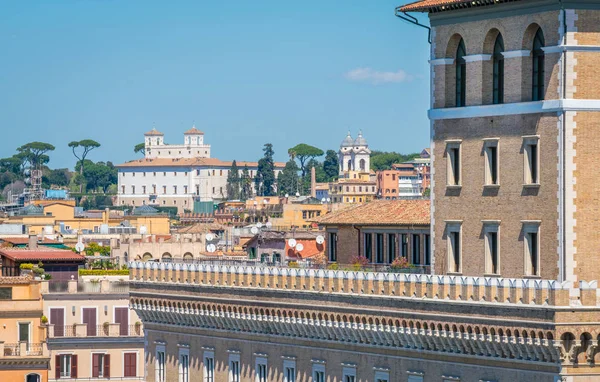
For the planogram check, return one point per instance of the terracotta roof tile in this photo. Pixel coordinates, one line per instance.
(45, 254)
(153, 132)
(445, 5)
(25, 240)
(381, 212)
(193, 130)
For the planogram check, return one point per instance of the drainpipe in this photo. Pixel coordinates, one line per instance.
(413, 20)
(563, 67)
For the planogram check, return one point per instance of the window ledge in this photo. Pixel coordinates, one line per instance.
(531, 277)
(454, 273)
(492, 275)
(491, 186)
(454, 186)
(531, 185)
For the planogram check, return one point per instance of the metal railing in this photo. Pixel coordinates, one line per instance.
(88, 287)
(55, 286)
(35, 349)
(12, 350)
(83, 330)
(118, 287)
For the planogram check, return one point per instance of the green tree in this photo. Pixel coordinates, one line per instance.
(381, 160)
(320, 175)
(303, 153)
(233, 182)
(59, 177)
(35, 152)
(98, 175)
(265, 173)
(331, 166)
(287, 181)
(11, 165)
(86, 146)
(140, 148)
(246, 185)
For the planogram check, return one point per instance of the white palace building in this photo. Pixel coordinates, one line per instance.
(179, 175)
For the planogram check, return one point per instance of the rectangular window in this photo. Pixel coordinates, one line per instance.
(101, 365)
(531, 232)
(185, 189)
(382, 376)
(369, 246)
(404, 238)
(391, 246)
(332, 246)
(159, 366)
(427, 249)
(379, 248)
(492, 247)
(5, 293)
(349, 374)
(143, 189)
(454, 247)
(289, 371)
(130, 365)
(453, 161)
(209, 366)
(531, 160)
(261, 369)
(184, 364)
(234, 368)
(491, 162)
(416, 249)
(65, 366)
(415, 378)
(164, 190)
(132, 190)
(318, 372)
(174, 190)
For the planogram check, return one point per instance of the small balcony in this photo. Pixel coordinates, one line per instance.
(96, 331)
(23, 350)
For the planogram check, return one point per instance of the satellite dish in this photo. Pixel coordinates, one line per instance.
(211, 248)
(323, 200)
(297, 194)
(143, 230)
(320, 239)
(259, 225)
(292, 243)
(269, 224)
(209, 236)
(79, 247)
(287, 195)
(254, 230)
(328, 200)
(299, 247)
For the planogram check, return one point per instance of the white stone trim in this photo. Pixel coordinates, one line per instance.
(477, 57)
(441, 61)
(570, 249)
(517, 108)
(516, 53)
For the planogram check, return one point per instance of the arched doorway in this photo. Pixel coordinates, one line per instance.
(188, 257)
(166, 257)
(147, 256)
(32, 378)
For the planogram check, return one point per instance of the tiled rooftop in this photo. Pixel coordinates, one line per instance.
(42, 254)
(381, 212)
(445, 5)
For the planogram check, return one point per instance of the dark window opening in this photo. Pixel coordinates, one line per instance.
(498, 71)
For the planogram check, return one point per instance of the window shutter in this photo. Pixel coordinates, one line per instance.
(107, 366)
(74, 366)
(95, 365)
(57, 367)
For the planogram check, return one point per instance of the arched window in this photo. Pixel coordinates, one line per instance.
(498, 96)
(362, 165)
(537, 93)
(33, 378)
(461, 74)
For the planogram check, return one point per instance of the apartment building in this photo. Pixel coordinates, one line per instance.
(92, 333)
(24, 355)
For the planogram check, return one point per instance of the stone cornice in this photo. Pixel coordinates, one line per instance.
(509, 349)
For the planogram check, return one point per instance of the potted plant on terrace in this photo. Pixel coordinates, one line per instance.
(401, 265)
(105, 327)
(359, 263)
(138, 326)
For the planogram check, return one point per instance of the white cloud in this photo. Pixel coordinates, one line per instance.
(377, 77)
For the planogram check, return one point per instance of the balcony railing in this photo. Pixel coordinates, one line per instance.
(80, 286)
(23, 349)
(85, 330)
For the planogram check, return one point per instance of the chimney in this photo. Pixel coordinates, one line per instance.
(33, 241)
(313, 182)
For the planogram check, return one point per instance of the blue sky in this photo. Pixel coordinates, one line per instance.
(245, 72)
